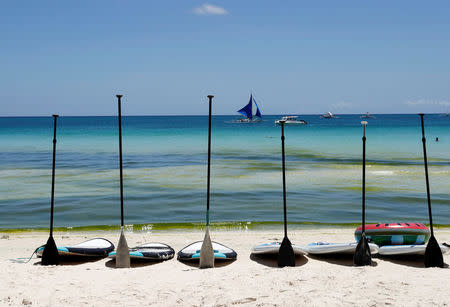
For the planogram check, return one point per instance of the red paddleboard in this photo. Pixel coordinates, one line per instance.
(395, 233)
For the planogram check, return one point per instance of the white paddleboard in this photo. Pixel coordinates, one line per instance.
(97, 247)
(150, 251)
(325, 248)
(391, 250)
(273, 248)
(192, 252)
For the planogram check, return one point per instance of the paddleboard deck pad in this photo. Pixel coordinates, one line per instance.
(404, 250)
(97, 247)
(325, 248)
(395, 233)
(150, 251)
(192, 252)
(272, 248)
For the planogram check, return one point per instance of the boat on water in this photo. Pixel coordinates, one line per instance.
(291, 121)
(247, 112)
(367, 115)
(328, 115)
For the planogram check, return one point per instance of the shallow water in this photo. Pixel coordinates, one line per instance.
(165, 170)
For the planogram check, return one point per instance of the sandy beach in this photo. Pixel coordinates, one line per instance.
(249, 280)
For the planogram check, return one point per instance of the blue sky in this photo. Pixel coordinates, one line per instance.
(297, 57)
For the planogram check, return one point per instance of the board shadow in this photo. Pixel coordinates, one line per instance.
(272, 260)
(72, 261)
(415, 261)
(344, 260)
(135, 263)
(217, 263)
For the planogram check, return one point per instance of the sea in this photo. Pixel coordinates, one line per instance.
(165, 171)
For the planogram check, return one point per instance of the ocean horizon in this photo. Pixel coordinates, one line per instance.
(165, 171)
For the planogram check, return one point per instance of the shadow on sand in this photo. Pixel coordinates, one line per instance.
(271, 260)
(218, 263)
(74, 260)
(135, 263)
(344, 260)
(415, 261)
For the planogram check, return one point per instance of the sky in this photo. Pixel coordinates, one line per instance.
(296, 57)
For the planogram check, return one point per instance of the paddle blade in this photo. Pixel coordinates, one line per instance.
(206, 252)
(122, 253)
(286, 256)
(433, 254)
(50, 255)
(362, 253)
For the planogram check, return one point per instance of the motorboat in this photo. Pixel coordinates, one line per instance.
(291, 121)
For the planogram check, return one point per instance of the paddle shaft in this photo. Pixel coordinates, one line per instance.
(55, 117)
(120, 158)
(364, 182)
(426, 173)
(209, 160)
(284, 178)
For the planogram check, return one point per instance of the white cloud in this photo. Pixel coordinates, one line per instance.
(209, 9)
(418, 102)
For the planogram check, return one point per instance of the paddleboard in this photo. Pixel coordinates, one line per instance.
(395, 233)
(192, 252)
(325, 248)
(150, 251)
(273, 248)
(97, 247)
(391, 250)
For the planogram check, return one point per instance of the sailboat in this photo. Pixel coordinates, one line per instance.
(248, 113)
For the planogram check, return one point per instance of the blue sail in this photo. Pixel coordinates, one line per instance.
(258, 113)
(247, 110)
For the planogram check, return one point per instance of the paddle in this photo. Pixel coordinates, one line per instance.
(286, 256)
(50, 255)
(122, 252)
(207, 252)
(433, 253)
(362, 253)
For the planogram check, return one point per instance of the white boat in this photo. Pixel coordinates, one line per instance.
(248, 114)
(291, 121)
(367, 115)
(328, 115)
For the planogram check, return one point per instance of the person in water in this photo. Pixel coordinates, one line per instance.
(437, 139)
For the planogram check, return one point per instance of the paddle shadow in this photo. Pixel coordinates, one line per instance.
(217, 263)
(72, 261)
(135, 263)
(344, 260)
(415, 261)
(272, 260)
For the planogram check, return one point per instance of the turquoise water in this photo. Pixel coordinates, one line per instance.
(165, 170)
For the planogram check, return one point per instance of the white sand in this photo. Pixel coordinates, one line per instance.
(314, 282)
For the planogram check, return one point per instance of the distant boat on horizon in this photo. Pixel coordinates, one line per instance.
(328, 115)
(247, 112)
(367, 115)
